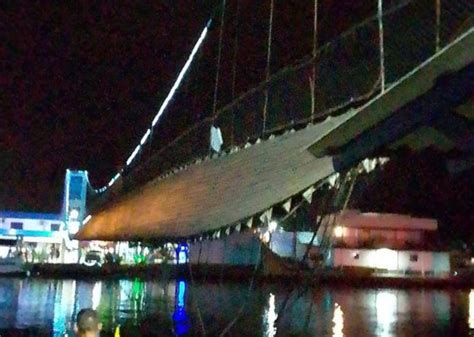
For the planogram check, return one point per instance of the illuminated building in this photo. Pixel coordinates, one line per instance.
(45, 237)
(38, 232)
(389, 243)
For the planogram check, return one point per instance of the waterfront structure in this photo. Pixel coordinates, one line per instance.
(239, 248)
(41, 234)
(292, 244)
(390, 243)
(45, 237)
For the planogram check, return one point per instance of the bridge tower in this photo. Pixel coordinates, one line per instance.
(76, 183)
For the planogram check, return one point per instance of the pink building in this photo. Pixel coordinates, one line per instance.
(390, 243)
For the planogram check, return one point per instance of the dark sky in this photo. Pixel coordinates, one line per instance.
(80, 81)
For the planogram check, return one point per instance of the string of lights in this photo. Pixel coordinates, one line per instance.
(161, 110)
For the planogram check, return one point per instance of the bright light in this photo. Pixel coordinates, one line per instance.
(115, 178)
(265, 237)
(384, 258)
(270, 317)
(182, 252)
(145, 137)
(89, 263)
(133, 155)
(73, 214)
(111, 182)
(272, 226)
(471, 309)
(182, 257)
(73, 227)
(181, 75)
(339, 231)
(87, 219)
(96, 294)
(338, 321)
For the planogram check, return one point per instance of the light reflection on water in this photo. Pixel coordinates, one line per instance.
(338, 321)
(386, 306)
(471, 309)
(96, 294)
(169, 308)
(270, 317)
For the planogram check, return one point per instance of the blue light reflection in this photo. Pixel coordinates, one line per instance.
(180, 316)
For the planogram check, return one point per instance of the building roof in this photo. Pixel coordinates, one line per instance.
(28, 233)
(356, 219)
(30, 215)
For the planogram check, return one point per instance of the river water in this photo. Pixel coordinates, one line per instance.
(38, 307)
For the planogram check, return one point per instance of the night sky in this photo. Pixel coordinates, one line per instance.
(81, 82)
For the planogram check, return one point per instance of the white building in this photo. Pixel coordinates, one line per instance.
(391, 243)
(44, 236)
(39, 232)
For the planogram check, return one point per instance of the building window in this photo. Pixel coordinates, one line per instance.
(16, 225)
(55, 227)
(356, 256)
(413, 257)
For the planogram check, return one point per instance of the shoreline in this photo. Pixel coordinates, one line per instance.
(233, 274)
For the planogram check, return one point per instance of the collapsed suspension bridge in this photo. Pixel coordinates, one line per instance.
(395, 80)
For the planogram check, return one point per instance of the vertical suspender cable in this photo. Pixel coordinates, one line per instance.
(315, 46)
(382, 61)
(267, 71)
(219, 54)
(438, 23)
(234, 67)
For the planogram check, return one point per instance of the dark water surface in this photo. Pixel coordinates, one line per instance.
(37, 307)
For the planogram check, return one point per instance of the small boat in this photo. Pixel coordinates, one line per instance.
(12, 265)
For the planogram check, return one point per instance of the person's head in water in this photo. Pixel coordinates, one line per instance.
(87, 323)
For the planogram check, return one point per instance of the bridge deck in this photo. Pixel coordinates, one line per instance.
(218, 192)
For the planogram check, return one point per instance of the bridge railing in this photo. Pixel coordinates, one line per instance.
(344, 73)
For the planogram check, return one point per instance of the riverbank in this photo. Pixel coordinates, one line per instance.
(227, 273)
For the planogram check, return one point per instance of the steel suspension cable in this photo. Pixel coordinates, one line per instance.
(315, 48)
(438, 24)
(335, 196)
(219, 55)
(234, 68)
(267, 69)
(381, 43)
